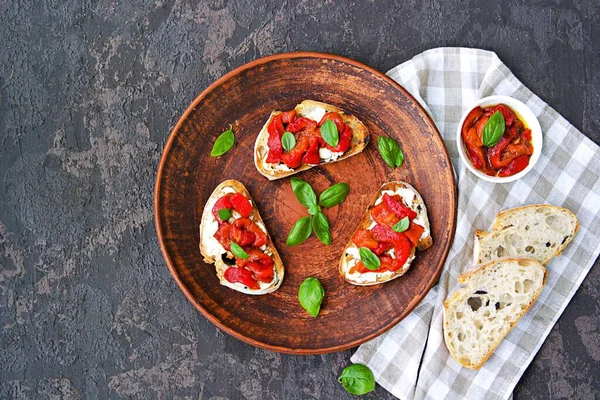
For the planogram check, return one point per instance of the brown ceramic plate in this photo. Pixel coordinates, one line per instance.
(350, 315)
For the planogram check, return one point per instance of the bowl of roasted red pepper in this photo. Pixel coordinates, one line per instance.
(499, 139)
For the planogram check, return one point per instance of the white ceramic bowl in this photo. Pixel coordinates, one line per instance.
(526, 116)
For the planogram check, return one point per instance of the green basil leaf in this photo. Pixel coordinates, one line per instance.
(369, 259)
(390, 151)
(224, 214)
(493, 129)
(402, 225)
(320, 226)
(300, 232)
(312, 210)
(238, 251)
(310, 295)
(329, 132)
(288, 141)
(357, 379)
(334, 195)
(304, 193)
(223, 143)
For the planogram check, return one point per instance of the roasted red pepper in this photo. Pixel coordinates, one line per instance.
(241, 275)
(517, 165)
(414, 232)
(241, 204)
(396, 205)
(383, 215)
(223, 203)
(259, 263)
(275, 130)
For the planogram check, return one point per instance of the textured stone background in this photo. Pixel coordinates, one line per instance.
(88, 93)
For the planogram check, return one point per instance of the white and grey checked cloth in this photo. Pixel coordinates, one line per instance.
(411, 360)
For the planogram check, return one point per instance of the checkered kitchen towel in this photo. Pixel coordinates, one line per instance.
(411, 360)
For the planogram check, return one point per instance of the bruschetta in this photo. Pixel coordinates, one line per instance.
(234, 238)
(312, 143)
(394, 226)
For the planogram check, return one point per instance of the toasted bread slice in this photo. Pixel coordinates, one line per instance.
(214, 252)
(413, 200)
(538, 231)
(496, 295)
(313, 110)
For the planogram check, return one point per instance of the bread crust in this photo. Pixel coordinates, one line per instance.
(497, 226)
(220, 266)
(423, 244)
(466, 290)
(360, 139)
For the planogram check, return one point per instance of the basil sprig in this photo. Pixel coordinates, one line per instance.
(329, 132)
(223, 143)
(317, 222)
(401, 225)
(224, 214)
(304, 193)
(334, 195)
(238, 251)
(493, 129)
(288, 141)
(300, 232)
(369, 259)
(310, 295)
(390, 151)
(320, 225)
(357, 379)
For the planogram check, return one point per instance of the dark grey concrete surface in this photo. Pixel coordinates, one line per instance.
(89, 91)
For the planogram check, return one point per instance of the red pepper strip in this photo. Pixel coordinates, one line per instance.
(401, 252)
(382, 248)
(364, 238)
(527, 135)
(517, 165)
(241, 275)
(345, 139)
(312, 154)
(275, 130)
(475, 158)
(259, 263)
(383, 215)
(223, 203)
(260, 237)
(479, 125)
(223, 235)
(471, 118)
(396, 206)
(293, 158)
(288, 116)
(301, 124)
(413, 233)
(241, 204)
(336, 118)
(241, 237)
(507, 113)
(495, 153)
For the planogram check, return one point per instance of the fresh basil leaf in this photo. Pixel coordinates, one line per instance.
(357, 379)
(334, 195)
(300, 232)
(224, 214)
(288, 141)
(320, 225)
(493, 129)
(223, 143)
(310, 295)
(238, 251)
(312, 210)
(329, 132)
(390, 151)
(304, 193)
(369, 259)
(401, 225)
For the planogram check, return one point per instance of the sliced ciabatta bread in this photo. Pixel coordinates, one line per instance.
(313, 110)
(496, 295)
(262, 272)
(376, 228)
(538, 231)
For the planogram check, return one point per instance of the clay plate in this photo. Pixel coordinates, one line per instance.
(187, 175)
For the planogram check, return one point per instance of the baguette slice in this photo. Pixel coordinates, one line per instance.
(538, 231)
(413, 200)
(360, 138)
(213, 252)
(496, 295)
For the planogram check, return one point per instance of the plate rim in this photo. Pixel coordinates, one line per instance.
(157, 210)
